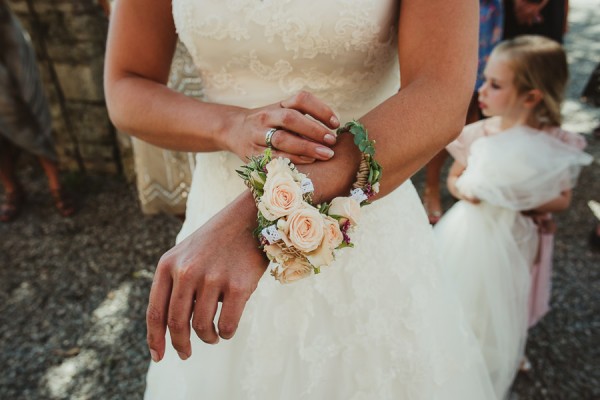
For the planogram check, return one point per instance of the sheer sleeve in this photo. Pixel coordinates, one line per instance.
(460, 149)
(521, 168)
(572, 139)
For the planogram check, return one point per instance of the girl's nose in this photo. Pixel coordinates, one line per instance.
(481, 88)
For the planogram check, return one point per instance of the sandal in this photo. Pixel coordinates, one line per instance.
(63, 203)
(13, 202)
(525, 365)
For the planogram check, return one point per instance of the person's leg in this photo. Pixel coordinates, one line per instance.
(13, 193)
(62, 201)
(433, 170)
(431, 197)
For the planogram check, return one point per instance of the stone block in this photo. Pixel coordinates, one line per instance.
(126, 154)
(70, 28)
(101, 167)
(67, 157)
(74, 52)
(90, 123)
(81, 82)
(18, 6)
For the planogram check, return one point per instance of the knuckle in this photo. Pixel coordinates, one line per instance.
(262, 117)
(164, 265)
(302, 96)
(177, 326)
(201, 327)
(306, 146)
(183, 273)
(212, 279)
(289, 117)
(227, 328)
(239, 291)
(154, 316)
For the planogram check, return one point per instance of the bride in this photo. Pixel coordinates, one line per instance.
(379, 323)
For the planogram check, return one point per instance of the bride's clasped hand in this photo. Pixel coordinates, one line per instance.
(302, 126)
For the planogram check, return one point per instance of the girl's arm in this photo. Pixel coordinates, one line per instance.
(438, 57)
(455, 172)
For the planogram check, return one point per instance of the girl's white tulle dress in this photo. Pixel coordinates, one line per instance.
(380, 323)
(488, 248)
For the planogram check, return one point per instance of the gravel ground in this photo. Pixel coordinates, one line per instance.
(73, 291)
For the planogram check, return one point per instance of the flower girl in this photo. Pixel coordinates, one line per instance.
(518, 162)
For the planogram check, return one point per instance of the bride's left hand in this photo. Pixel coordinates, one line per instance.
(219, 262)
(298, 128)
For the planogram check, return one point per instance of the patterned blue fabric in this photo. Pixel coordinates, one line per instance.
(490, 32)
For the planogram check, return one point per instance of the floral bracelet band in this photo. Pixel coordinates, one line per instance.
(298, 237)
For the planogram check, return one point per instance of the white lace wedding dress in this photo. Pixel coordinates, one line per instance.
(380, 322)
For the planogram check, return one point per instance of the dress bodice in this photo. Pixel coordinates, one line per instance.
(252, 53)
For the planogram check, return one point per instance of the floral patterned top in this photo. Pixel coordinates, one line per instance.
(491, 18)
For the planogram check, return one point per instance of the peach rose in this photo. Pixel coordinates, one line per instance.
(275, 253)
(332, 238)
(345, 207)
(333, 234)
(292, 270)
(304, 228)
(281, 196)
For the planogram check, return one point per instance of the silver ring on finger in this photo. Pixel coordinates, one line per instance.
(269, 137)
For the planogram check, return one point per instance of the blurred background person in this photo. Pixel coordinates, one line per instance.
(25, 122)
(536, 17)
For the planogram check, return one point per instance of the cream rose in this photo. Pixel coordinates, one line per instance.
(292, 270)
(275, 253)
(345, 207)
(332, 238)
(333, 235)
(278, 166)
(281, 196)
(304, 228)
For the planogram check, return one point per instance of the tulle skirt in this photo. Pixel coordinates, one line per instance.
(487, 252)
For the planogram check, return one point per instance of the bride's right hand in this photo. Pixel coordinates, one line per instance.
(219, 262)
(303, 126)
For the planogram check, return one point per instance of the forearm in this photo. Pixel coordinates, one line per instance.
(406, 139)
(153, 112)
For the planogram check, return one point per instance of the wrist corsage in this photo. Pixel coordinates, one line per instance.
(299, 237)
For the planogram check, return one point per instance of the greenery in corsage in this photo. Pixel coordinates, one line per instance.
(298, 237)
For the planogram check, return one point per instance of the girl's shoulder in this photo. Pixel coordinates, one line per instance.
(460, 148)
(572, 139)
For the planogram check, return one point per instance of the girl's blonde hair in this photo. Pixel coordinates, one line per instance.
(538, 63)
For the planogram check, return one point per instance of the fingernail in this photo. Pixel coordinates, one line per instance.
(334, 121)
(329, 138)
(182, 355)
(154, 355)
(307, 159)
(324, 151)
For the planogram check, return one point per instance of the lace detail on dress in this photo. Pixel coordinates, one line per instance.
(357, 47)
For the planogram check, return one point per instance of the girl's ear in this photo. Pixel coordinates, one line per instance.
(533, 98)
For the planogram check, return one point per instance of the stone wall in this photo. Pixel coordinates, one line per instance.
(69, 37)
